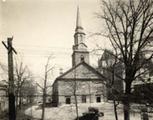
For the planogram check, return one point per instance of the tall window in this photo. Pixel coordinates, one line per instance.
(98, 98)
(81, 38)
(84, 99)
(68, 99)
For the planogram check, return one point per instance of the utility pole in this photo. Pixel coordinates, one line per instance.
(10, 49)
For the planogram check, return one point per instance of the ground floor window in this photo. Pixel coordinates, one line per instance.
(0, 107)
(98, 98)
(68, 99)
(84, 99)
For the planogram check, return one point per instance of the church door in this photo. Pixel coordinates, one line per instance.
(98, 99)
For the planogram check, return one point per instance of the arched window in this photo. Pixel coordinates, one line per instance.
(81, 39)
(82, 58)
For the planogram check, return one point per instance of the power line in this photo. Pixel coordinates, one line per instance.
(44, 53)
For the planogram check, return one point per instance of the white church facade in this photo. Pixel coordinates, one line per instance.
(82, 81)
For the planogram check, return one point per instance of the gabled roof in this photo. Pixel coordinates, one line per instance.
(81, 71)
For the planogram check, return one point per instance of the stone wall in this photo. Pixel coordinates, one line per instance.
(89, 88)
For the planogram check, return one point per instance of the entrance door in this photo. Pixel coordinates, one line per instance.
(98, 99)
(0, 107)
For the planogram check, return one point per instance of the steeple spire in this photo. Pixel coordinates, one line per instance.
(79, 28)
(78, 21)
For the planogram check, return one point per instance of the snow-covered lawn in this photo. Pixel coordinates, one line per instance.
(67, 112)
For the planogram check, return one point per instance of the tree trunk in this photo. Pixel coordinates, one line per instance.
(43, 106)
(115, 110)
(44, 98)
(126, 109)
(76, 106)
(16, 105)
(126, 101)
(43, 111)
(20, 101)
(16, 101)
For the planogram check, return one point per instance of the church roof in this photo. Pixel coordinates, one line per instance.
(81, 71)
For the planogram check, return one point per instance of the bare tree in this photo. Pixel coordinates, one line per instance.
(108, 65)
(48, 69)
(22, 74)
(129, 28)
(72, 87)
(23, 81)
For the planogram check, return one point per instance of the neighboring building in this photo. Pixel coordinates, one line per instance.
(3, 89)
(3, 98)
(145, 74)
(143, 85)
(112, 70)
(143, 93)
(81, 80)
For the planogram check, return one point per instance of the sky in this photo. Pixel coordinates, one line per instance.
(41, 28)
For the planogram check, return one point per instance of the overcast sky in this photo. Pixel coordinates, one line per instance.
(44, 27)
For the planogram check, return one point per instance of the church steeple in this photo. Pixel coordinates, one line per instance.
(79, 28)
(79, 36)
(79, 48)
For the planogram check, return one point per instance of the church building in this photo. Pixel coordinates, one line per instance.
(81, 83)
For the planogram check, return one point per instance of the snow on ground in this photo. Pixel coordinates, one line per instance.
(67, 112)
